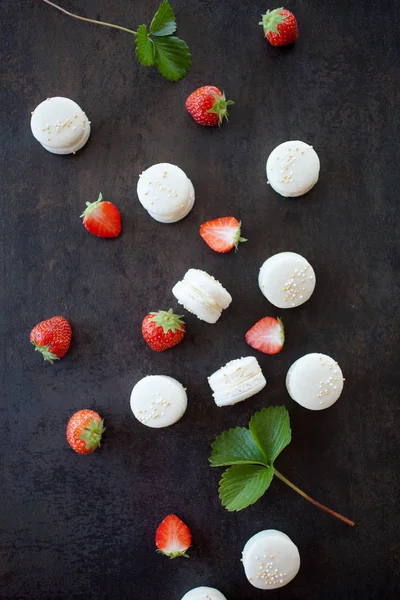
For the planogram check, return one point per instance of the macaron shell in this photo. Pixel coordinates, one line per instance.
(60, 125)
(158, 401)
(165, 192)
(204, 593)
(293, 168)
(315, 381)
(209, 286)
(270, 560)
(287, 280)
(193, 302)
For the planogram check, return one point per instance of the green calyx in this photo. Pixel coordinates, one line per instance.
(92, 434)
(91, 206)
(220, 107)
(271, 20)
(237, 239)
(168, 320)
(174, 554)
(282, 330)
(45, 351)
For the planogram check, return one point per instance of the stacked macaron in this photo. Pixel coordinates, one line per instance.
(165, 192)
(238, 380)
(202, 295)
(270, 559)
(293, 168)
(60, 125)
(158, 401)
(204, 593)
(315, 381)
(287, 280)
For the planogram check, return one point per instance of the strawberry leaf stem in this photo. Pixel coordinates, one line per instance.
(307, 497)
(70, 14)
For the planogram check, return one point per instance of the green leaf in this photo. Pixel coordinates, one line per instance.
(145, 52)
(172, 57)
(236, 446)
(163, 22)
(270, 428)
(242, 485)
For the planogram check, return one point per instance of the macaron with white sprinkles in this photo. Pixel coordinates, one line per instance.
(202, 295)
(238, 380)
(287, 280)
(315, 381)
(60, 125)
(204, 593)
(165, 192)
(293, 169)
(270, 560)
(158, 401)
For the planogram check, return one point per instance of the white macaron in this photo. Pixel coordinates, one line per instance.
(158, 401)
(60, 125)
(293, 168)
(238, 380)
(165, 192)
(204, 593)
(202, 295)
(270, 559)
(315, 381)
(287, 280)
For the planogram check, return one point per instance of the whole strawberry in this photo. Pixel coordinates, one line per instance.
(208, 106)
(163, 330)
(52, 338)
(84, 431)
(102, 218)
(280, 27)
(173, 537)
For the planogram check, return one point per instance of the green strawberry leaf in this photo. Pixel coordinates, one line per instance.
(236, 447)
(163, 22)
(270, 428)
(172, 57)
(145, 52)
(242, 485)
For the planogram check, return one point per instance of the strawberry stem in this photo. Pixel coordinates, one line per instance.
(70, 14)
(307, 497)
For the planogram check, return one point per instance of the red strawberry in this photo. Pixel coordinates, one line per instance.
(84, 431)
(280, 27)
(267, 335)
(173, 537)
(208, 105)
(222, 234)
(163, 330)
(52, 338)
(102, 218)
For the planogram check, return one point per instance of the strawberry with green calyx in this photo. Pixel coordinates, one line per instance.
(173, 537)
(223, 234)
(267, 335)
(52, 338)
(163, 330)
(208, 106)
(280, 27)
(84, 431)
(102, 218)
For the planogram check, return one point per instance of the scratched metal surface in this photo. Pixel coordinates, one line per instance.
(83, 527)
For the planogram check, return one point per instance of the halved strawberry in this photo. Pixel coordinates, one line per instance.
(222, 234)
(173, 537)
(267, 335)
(102, 218)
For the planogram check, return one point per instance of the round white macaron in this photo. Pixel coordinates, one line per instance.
(204, 593)
(270, 559)
(60, 125)
(158, 401)
(202, 295)
(165, 192)
(293, 168)
(238, 380)
(287, 280)
(315, 381)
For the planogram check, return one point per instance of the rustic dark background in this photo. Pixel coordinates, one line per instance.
(76, 527)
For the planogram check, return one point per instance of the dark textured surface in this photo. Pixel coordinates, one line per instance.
(82, 527)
